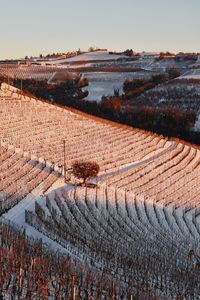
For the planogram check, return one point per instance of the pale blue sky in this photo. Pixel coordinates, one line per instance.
(31, 27)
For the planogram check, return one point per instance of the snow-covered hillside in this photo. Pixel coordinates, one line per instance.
(104, 83)
(142, 218)
(89, 56)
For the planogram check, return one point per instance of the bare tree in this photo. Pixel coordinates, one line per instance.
(85, 170)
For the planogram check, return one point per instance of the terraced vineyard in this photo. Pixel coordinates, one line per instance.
(142, 219)
(182, 92)
(26, 72)
(124, 235)
(40, 128)
(20, 174)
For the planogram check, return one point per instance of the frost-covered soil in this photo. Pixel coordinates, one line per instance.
(194, 74)
(90, 56)
(16, 216)
(168, 63)
(103, 83)
(137, 234)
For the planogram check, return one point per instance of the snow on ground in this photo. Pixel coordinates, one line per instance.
(104, 83)
(16, 216)
(194, 74)
(197, 63)
(89, 56)
(197, 124)
(143, 63)
(133, 165)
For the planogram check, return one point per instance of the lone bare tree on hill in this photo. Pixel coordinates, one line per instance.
(85, 170)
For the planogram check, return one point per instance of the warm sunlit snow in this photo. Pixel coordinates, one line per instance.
(90, 56)
(104, 83)
(144, 208)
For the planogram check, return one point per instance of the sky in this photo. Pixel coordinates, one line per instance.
(33, 27)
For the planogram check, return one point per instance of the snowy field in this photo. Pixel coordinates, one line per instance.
(90, 56)
(194, 74)
(104, 83)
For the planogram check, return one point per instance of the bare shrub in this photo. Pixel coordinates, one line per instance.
(85, 170)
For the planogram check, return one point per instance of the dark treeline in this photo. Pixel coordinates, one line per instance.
(169, 121)
(135, 87)
(60, 93)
